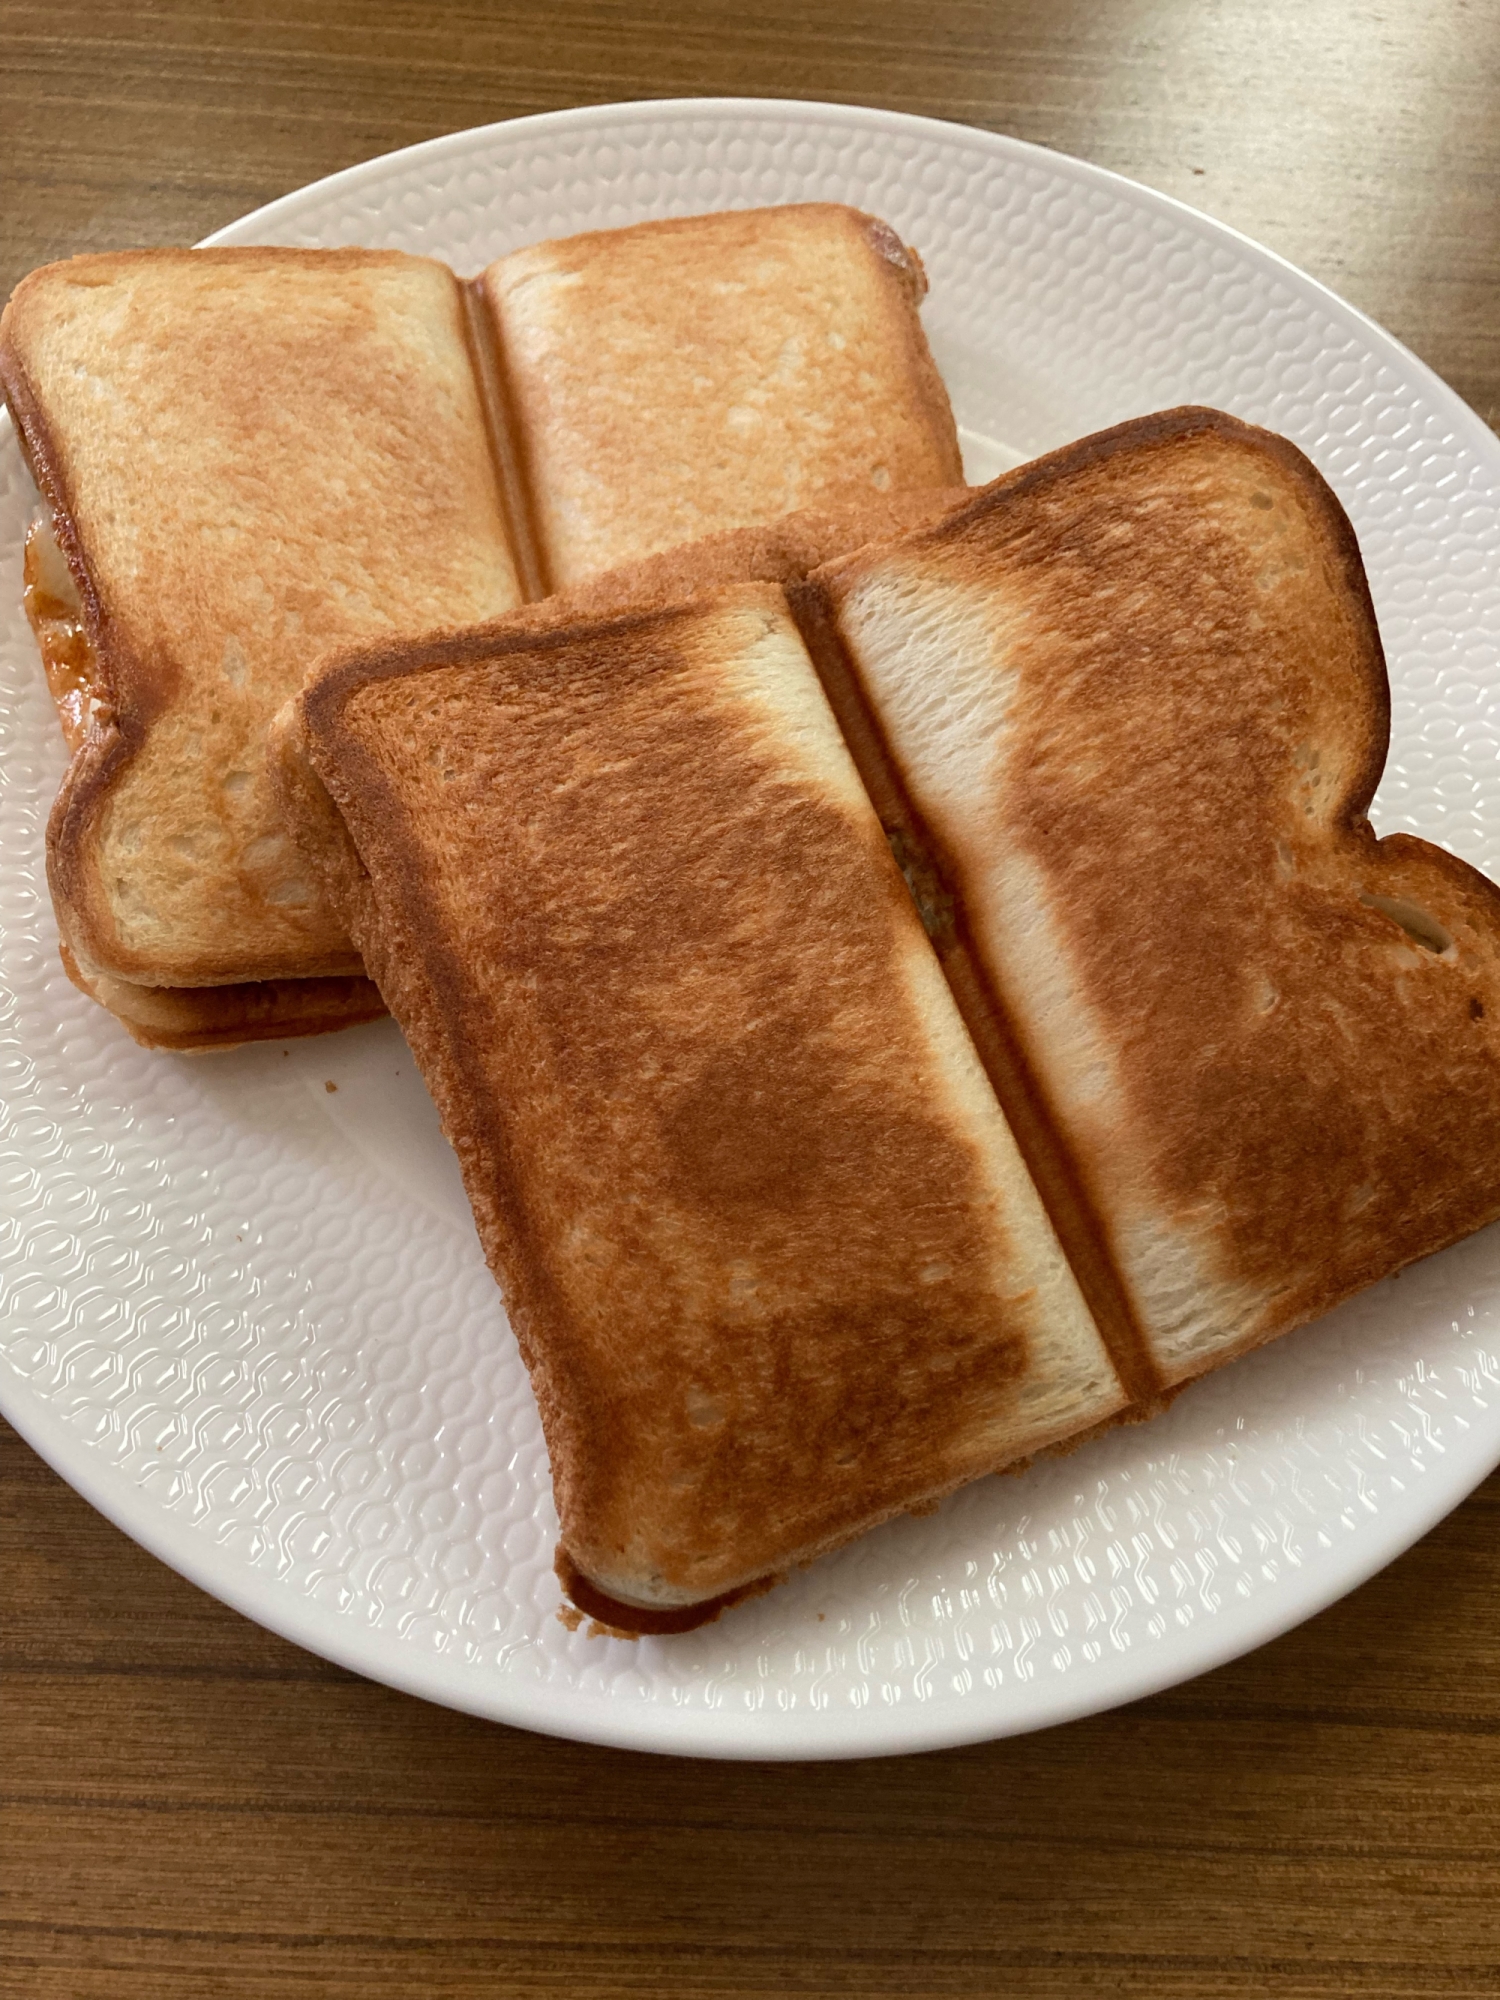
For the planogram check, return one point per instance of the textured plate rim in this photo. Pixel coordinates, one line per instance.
(769, 1735)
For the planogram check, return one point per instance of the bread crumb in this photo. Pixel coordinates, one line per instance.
(572, 1617)
(330, 1087)
(600, 1631)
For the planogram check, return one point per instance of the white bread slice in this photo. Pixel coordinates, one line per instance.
(772, 1256)
(1134, 698)
(680, 378)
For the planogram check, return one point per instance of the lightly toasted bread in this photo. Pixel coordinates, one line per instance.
(165, 1017)
(774, 1262)
(249, 456)
(679, 378)
(212, 425)
(1133, 708)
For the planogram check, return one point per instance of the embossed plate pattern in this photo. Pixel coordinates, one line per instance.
(248, 1318)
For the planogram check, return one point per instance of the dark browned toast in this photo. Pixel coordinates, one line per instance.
(1120, 717)
(774, 1262)
(1132, 709)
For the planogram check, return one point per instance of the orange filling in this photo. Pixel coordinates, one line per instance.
(55, 612)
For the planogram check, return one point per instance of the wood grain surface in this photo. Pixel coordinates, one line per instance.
(190, 1807)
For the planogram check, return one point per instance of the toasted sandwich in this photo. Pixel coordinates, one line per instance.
(248, 456)
(1132, 709)
(773, 1259)
(252, 457)
(1119, 719)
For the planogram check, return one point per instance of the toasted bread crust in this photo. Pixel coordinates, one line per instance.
(617, 1619)
(157, 880)
(191, 1019)
(1297, 1097)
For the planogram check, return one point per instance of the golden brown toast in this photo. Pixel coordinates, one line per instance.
(183, 1018)
(1133, 702)
(1120, 716)
(772, 1257)
(250, 456)
(674, 379)
(254, 456)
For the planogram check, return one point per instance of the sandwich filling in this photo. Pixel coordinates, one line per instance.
(54, 610)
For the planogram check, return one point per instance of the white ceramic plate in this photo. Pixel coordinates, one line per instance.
(248, 1318)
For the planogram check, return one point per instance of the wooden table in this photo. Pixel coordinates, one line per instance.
(192, 1807)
